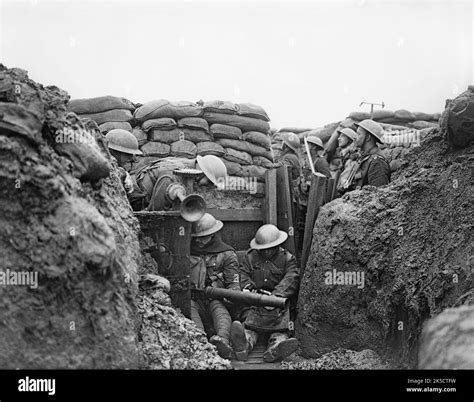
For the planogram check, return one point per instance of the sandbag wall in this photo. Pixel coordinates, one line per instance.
(236, 133)
(108, 112)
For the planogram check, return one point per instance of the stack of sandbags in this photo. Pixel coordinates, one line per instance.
(237, 133)
(109, 112)
(402, 117)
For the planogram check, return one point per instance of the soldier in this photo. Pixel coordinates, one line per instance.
(215, 264)
(374, 169)
(349, 155)
(267, 268)
(320, 163)
(123, 147)
(289, 156)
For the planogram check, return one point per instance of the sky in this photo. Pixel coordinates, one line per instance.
(306, 63)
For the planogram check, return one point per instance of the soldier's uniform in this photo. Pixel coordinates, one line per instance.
(215, 265)
(279, 275)
(374, 169)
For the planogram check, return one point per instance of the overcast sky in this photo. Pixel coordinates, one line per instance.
(307, 63)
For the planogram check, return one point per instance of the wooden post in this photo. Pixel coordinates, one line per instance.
(317, 194)
(285, 215)
(330, 190)
(271, 196)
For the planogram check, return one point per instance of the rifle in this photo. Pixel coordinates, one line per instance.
(249, 298)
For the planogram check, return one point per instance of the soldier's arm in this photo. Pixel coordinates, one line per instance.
(322, 166)
(379, 173)
(289, 284)
(246, 274)
(231, 270)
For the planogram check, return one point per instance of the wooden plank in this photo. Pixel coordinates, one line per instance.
(285, 216)
(239, 214)
(330, 190)
(317, 194)
(271, 208)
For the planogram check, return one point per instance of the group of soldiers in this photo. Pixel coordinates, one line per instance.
(362, 161)
(267, 267)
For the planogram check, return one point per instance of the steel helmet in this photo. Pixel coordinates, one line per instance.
(206, 226)
(315, 140)
(291, 139)
(212, 167)
(373, 128)
(348, 132)
(123, 141)
(268, 236)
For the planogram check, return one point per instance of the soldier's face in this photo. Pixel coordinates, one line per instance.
(361, 137)
(268, 253)
(343, 140)
(203, 240)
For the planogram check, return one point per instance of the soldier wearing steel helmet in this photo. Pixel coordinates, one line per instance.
(320, 163)
(374, 168)
(289, 156)
(123, 146)
(215, 264)
(267, 268)
(349, 155)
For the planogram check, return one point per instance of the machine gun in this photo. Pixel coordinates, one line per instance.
(249, 298)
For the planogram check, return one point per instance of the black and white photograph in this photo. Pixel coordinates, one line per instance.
(237, 194)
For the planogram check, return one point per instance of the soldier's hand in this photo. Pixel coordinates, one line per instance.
(269, 308)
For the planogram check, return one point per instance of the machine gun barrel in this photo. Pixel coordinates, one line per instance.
(254, 299)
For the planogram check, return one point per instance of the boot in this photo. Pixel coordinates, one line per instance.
(279, 347)
(223, 347)
(222, 322)
(243, 340)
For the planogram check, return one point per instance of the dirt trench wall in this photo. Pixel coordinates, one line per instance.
(77, 235)
(412, 240)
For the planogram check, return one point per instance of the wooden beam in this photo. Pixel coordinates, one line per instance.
(235, 215)
(317, 194)
(285, 218)
(271, 210)
(329, 190)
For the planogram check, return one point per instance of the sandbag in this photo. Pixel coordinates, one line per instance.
(263, 162)
(359, 116)
(156, 149)
(194, 135)
(253, 171)
(111, 115)
(183, 149)
(323, 134)
(163, 123)
(295, 130)
(227, 132)
(140, 135)
(233, 168)
(348, 123)
(251, 110)
(165, 136)
(99, 104)
(257, 138)
(242, 122)
(420, 125)
(194, 123)
(217, 106)
(403, 115)
(247, 147)
(210, 148)
(163, 108)
(89, 164)
(380, 114)
(232, 155)
(112, 125)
